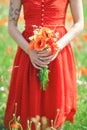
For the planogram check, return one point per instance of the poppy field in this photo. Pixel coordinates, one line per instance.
(7, 53)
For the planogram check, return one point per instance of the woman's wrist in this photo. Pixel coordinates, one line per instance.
(59, 47)
(24, 47)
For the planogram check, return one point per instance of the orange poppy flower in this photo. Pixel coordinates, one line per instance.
(84, 36)
(9, 50)
(40, 43)
(83, 71)
(79, 46)
(43, 38)
(85, 25)
(46, 32)
(3, 21)
(31, 45)
(76, 40)
(69, 17)
(7, 1)
(21, 19)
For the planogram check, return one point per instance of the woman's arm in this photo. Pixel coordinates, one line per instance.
(77, 13)
(14, 12)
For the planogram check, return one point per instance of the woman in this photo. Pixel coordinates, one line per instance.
(25, 87)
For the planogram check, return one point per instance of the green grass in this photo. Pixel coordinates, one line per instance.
(6, 61)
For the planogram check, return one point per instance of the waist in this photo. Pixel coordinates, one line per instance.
(30, 28)
(30, 25)
(45, 22)
(57, 27)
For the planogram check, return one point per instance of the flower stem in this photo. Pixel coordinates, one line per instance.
(43, 77)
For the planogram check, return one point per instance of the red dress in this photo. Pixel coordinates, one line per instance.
(25, 86)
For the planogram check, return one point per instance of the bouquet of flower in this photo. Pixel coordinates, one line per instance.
(43, 38)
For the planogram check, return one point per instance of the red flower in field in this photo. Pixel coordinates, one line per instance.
(85, 25)
(9, 50)
(21, 19)
(69, 18)
(84, 36)
(79, 46)
(83, 71)
(3, 21)
(76, 40)
(7, 1)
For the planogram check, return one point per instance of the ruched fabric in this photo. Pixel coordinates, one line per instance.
(25, 89)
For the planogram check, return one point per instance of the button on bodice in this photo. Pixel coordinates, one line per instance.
(42, 15)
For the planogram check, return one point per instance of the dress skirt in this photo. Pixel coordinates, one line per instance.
(25, 89)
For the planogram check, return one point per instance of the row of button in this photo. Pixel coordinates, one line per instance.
(42, 19)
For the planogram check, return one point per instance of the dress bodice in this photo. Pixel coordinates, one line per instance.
(44, 12)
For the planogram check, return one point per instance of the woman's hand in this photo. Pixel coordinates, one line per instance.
(47, 55)
(36, 60)
(42, 58)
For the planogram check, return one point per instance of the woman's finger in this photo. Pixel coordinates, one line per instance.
(48, 58)
(42, 63)
(44, 51)
(39, 63)
(37, 67)
(44, 54)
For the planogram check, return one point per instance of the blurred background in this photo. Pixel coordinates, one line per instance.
(7, 53)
